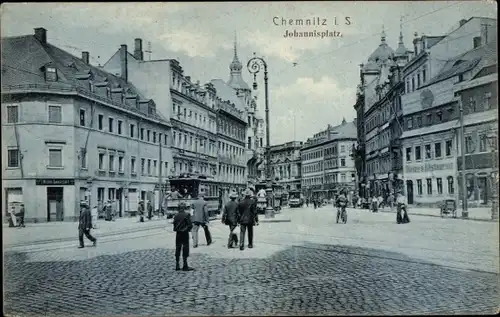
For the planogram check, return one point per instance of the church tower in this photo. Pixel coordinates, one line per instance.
(236, 81)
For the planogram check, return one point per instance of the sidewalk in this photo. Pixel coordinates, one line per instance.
(478, 214)
(38, 233)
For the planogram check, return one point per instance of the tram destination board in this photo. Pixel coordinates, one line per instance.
(55, 181)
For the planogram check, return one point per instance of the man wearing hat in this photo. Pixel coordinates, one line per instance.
(140, 210)
(85, 224)
(247, 211)
(230, 218)
(21, 216)
(182, 226)
(200, 218)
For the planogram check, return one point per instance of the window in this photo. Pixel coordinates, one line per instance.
(100, 122)
(148, 134)
(165, 139)
(419, 187)
(342, 148)
(482, 143)
(418, 153)
(419, 122)
(111, 163)
(472, 104)
(154, 168)
(408, 154)
(250, 143)
(460, 77)
(342, 162)
(13, 158)
(469, 145)
(120, 164)
(143, 166)
(149, 166)
(12, 114)
(451, 188)
(83, 158)
(424, 71)
(439, 182)
(418, 80)
(55, 157)
(439, 116)
(142, 134)
(55, 114)
(185, 113)
(429, 119)
(409, 123)
(120, 127)
(487, 100)
(132, 128)
(429, 186)
(428, 153)
(413, 83)
(132, 165)
(343, 178)
(82, 117)
(154, 137)
(437, 149)
(449, 147)
(261, 142)
(50, 74)
(101, 161)
(110, 125)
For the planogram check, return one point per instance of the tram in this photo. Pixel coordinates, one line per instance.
(296, 198)
(186, 188)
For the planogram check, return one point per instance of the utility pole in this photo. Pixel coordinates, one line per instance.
(160, 199)
(486, 25)
(465, 213)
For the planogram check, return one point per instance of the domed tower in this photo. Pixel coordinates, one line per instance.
(401, 55)
(236, 81)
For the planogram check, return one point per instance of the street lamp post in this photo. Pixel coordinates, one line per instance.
(254, 66)
(492, 140)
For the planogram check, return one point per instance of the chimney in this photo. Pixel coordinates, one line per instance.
(85, 57)
(41, 35)
(123, 62)
(462, 22)
(138, 54)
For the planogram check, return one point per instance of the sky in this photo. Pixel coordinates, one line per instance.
(312, 81)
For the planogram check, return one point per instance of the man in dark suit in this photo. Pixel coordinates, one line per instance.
(85, 224)
(230, 217)
(200, 219)
(247, 210)
(182, 227)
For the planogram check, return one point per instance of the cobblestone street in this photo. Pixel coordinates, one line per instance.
(307, 266)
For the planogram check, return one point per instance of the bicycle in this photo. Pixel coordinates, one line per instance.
(341, 214)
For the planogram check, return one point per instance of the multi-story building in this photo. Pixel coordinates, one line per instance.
(327, 161)
(189, 106)
(237, 92)
(380, 108)
(72, 131)
(431, 110)
(231, 132)
(286, 164)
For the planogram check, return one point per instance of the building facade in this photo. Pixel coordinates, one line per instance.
(286, 164)
(236, 91)
(231, 128)
(75, 132)
(327, 162)
(431, 140)
(381, 111)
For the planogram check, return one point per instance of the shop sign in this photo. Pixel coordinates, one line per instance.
(54, 182)
(429, 167)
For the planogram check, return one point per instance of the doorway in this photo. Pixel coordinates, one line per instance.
(55, 207)
(120, 201)
(409, 191)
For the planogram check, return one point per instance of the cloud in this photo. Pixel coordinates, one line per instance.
(192, 43)
(307, 106)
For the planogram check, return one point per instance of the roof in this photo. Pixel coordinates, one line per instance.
(36, 55)
(346, 130)
(226, 92)
(486, 54)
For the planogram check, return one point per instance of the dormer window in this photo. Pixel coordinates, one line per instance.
(50, 74)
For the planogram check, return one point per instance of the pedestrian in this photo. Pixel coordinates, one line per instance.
(140, 210)
(182, 227)
(95, 215)
(307, 202)
(200, 218)
(85, 224)
(21, 217)
(247, 211)
(107, 211)
(230, 218)
(150, 210)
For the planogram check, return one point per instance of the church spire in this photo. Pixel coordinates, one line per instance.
(401, 30)
(401, 50)
(382, 37)
(236, 80)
